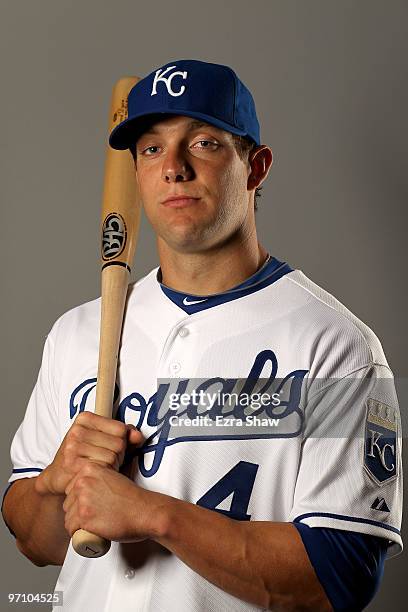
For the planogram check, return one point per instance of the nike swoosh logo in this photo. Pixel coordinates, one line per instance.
(187, 303)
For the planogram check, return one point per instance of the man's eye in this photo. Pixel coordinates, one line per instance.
(206, 144)
(150, 150)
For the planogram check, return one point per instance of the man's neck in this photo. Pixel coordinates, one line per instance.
(210, 272)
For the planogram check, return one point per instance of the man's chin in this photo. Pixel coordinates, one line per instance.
(186, 242)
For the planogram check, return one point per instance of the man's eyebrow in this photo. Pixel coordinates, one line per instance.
(193, 125)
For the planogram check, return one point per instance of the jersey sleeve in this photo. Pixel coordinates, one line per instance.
(38, 437)
(350, 473)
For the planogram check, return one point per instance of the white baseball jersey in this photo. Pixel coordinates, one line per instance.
(325, 449)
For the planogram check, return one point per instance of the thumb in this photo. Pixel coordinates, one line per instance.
(135, 438)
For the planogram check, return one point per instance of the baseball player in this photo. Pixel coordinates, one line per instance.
(254, 461)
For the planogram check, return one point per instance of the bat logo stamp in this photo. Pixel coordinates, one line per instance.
(113, 236)
(122, 112)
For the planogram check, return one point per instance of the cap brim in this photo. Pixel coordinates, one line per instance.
(126, 133)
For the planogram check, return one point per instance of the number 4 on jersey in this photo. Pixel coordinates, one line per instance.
(238, 482)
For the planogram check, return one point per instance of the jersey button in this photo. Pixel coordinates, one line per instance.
(183, 332)
(130, 573)
(175, 367)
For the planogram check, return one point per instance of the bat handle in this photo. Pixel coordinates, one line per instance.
(115, 280)
(89, 545)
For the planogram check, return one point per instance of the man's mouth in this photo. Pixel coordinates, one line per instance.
(179, 201)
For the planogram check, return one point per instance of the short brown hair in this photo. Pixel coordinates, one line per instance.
(243, 146)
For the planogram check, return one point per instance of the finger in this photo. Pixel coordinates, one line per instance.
(70, 486)
(116, 444)
(135, 442)
(102, 456)
(78, 465)
(69, 501)
(71, 521)
(69, 489)
(90, 471)
(90, 420)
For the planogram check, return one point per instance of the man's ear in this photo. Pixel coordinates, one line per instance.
(260, 162)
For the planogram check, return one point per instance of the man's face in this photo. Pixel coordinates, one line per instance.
(181, 156)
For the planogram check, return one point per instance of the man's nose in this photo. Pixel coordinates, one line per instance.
(176, 167)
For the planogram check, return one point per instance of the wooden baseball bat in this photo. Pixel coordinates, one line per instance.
(120, 225)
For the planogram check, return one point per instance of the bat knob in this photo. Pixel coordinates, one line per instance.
(89, 545)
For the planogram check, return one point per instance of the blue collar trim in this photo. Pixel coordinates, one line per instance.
(271, 271)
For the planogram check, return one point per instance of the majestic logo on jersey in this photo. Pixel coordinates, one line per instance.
(380, 453)
(380, 504)
(167, 81)
(113, 236)
(155, 415)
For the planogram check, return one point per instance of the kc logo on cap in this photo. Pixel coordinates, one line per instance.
(159, 77)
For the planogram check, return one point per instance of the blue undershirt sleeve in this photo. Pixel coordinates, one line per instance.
(348, 564)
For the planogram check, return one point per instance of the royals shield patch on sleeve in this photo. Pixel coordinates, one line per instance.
(380, 451)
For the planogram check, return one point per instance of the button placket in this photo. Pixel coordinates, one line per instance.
(129, 573)
(175, 367)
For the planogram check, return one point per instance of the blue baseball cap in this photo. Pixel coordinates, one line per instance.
(210, 92)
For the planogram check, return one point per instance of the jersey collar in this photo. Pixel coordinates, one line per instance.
(270, 272)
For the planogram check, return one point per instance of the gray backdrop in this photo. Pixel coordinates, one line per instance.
(330, 81)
